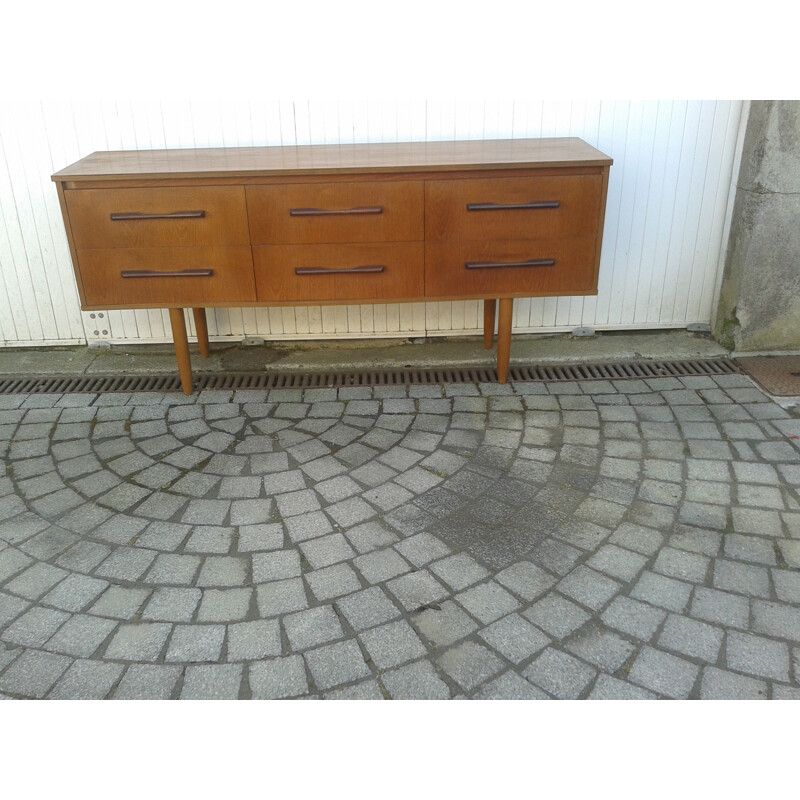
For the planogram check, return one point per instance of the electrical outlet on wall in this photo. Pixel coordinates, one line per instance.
(95, 326)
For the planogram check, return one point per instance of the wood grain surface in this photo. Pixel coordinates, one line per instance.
(574, 270)
(401, 215)
(341, 158)
(401, 278)
(231, 279)
(224, 219)
(578, 198)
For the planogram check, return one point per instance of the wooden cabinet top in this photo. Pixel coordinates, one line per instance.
(334, 159)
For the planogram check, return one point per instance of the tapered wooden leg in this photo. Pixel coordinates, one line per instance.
(201, 326)
(504, 338)
(489, 307)
(181, 341)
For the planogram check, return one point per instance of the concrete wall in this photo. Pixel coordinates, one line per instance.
(759, 308)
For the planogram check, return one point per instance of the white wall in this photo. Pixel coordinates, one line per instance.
(665, 220)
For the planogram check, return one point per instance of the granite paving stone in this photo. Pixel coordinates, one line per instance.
(719, 684)
(487, 601)
(556, 615)
(33, 674)
(260, 537)
(173, 568)
(682, 565)
(741, 578)
(276, 565)
(171, 604)
(664, 673)
(724, 608)
(307, 526)
(312, 627)
(617, 562)
(366, 690)
(787, 585)
(80, 636)
(661, 591)
(601, 647)
(422, 548)
(120, 602)
(607, 687)
(335, 664)
(757, 656)
(589, 587)
(34, 627)
(87, 680)
(148, 682)
(254, 640)
(559, 674)
(381, 565)
(11, 608)
(281, 597)
(326, 550)
(782, 692)
(369, 536)
(195, 643)
(126, 564)
(444, 624)
(417, 589)
(691, 638)
(510, 686)
(459, 571)
(224, 605)
(209, 539)
(138, 642)
(250, 512)
(417, 681)
(212, 682)
(278, 678)
(366, 608)
(334, 581)
(469, 664)
(392, 644)
(633, 618)
(514, 637)
(36, 580)
(223, 571)
(605, 539)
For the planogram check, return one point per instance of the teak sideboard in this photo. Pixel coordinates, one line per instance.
(329, 224)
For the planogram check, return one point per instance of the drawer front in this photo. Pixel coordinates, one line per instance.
(321, 213)
(337, 273)
(158, 217)
(513, 208)
(175, 276)
(529, 268)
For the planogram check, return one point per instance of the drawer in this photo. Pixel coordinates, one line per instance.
(321, 213)
(157, 217)
(205, 275)
(543, 267)
(338, 273)
(513, 208)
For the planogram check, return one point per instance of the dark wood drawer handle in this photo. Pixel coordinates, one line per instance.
(151, 273)
(348, 271)
(134, 215)
(535, 262)
(506, 206)
(326, 212)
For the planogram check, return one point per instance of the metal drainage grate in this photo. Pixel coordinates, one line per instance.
(409, 377)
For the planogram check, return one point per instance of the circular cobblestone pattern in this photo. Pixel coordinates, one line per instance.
(634, 539)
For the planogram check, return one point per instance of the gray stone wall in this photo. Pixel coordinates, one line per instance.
(759, 307)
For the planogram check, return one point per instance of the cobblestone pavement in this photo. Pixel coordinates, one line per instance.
(634, 539)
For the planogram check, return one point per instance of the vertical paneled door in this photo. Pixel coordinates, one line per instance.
(668, 203)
